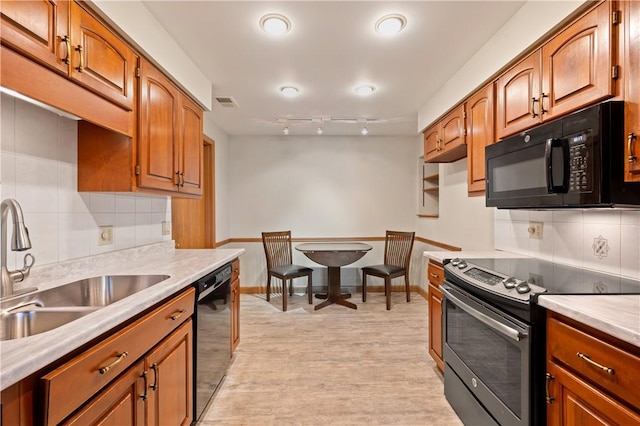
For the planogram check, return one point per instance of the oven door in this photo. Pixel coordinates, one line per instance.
(487, 358)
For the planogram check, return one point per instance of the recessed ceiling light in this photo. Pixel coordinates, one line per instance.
(365, 89)
(275, 24)
(289, 91)
(391, 24)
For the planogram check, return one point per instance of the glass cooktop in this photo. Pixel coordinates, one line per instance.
(558, 278)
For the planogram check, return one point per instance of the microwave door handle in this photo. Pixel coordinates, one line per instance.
(549, 152)
(501, 328)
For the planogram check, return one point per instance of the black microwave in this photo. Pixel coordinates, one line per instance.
(574, 161)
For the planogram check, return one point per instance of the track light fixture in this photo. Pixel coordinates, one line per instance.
(364, 131)
(285, 130)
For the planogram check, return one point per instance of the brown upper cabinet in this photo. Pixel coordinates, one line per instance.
(631, 42)
(479, 115)
(63, 36)
(166, 157)
(170, 130)
(445, 141)
(573, 69)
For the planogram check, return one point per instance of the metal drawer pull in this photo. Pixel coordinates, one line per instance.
(122, 356)
(595, 364)
(178, 314)
(434, 275)
(549, 398)
(67, 41)
(631, 137)
(79, 50)
(154, 385)
(144, 395)
(503, 329)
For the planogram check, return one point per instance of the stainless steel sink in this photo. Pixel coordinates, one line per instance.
(45, 310)
(15, 325)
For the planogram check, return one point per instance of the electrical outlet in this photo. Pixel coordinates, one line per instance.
(166, 227)
(105, 237)
(535, 230)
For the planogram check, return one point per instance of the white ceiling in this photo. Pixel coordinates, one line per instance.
(332, 46)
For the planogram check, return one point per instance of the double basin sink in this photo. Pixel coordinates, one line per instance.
(45, 310)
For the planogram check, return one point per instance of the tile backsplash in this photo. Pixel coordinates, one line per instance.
(40, 169)
(602, 240)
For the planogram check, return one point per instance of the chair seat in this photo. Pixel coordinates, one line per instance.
(383, 270)
(290, 271)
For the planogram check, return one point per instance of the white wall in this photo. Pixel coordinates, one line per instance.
(40, 169)
(319, 186)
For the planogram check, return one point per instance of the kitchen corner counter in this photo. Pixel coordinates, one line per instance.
(616, 315)
(440, 256)
(20, 358)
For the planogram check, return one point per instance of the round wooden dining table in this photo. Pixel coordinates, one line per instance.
(334, 255)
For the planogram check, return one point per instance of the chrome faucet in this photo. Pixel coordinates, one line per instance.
(19, 242)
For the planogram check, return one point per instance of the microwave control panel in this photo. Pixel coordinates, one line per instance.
(580, 172)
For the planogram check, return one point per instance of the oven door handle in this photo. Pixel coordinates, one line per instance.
(496, 325)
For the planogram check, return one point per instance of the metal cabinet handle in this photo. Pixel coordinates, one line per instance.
(503, 329)
(119, 359)
(144, 395)
(595, 364)
(154, 385)
(79, 50)
(542, 110)
(434, 275)
(67, 41)
(178, 314)
(549, 398)
(182, 179)
(533, 107)
(631, 137)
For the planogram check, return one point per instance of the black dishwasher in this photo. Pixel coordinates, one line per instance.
(212, 340)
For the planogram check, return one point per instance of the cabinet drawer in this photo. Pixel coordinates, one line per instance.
(569, 346)
(67, 387)
(435, 273)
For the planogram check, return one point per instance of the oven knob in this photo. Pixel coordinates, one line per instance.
(455, 261)
(523, 287)
(462, 264)
(509, 282)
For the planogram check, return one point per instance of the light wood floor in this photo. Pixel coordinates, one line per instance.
(335, 366)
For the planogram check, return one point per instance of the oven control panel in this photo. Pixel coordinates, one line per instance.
(492, 281)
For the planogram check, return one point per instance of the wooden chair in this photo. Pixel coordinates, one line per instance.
(277, 248)
(397, 256)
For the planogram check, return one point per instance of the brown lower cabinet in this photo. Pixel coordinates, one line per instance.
(139, 374)
(435, 274)
(592, 378)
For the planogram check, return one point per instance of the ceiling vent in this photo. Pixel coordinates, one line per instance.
(227, 102)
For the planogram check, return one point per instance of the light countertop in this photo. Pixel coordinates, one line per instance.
(440, 256)
(616, 315)
(21, 357)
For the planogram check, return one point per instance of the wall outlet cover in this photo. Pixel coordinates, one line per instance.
(105, 236)
(535, 230)
(166, 227)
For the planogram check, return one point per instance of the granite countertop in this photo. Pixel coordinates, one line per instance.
(616, 315)
(440, 256)
(21, 357)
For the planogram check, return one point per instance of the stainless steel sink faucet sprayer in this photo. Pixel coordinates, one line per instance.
(19, 242)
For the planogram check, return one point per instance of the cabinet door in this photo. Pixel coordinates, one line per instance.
(452, 130)
(170, 381)
(191, 141)
(576, 64)
(435, 275)
(100, 60)
(632, 90)
(158, 130)
(517, 97)
(576, 402)
(479, 113)
(37, 29)
(435, 326)
(235, 314)
(431, 138)
(121, 404)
